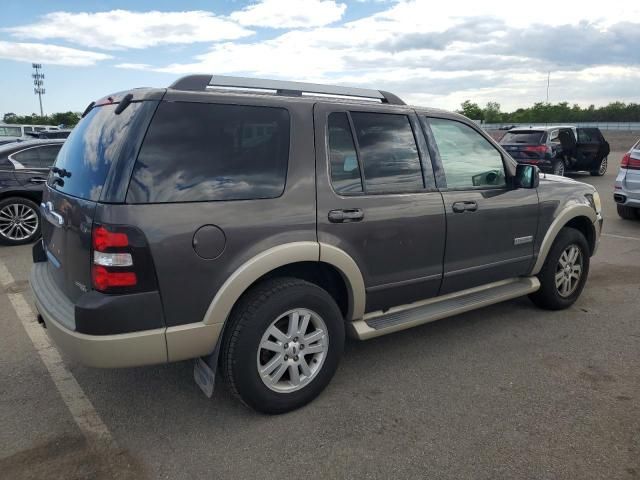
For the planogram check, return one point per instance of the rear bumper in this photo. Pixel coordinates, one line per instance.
(132, 349)
(122, 350)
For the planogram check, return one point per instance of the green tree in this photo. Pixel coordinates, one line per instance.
(471, 110)
(492, 113)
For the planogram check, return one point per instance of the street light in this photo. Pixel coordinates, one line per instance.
(38, 84)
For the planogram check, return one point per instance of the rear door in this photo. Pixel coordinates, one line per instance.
(33, 163)
(377, 200)
(491, 227)
(100, 141)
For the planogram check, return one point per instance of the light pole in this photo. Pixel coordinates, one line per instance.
(38, 84)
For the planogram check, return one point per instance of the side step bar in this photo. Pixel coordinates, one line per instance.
(380, 323)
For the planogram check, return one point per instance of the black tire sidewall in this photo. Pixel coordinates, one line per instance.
(247, 381)
(548, 296)
(31, 204)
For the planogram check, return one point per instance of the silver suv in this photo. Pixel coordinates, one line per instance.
(251, 224)
(627, 186)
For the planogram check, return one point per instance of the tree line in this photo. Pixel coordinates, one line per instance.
(543, 112)
(68, 119)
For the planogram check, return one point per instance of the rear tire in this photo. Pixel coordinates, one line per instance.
(19, 221)
(602, 168)
(563, 277)
(628, 213)
(558, 168)
(282, 346)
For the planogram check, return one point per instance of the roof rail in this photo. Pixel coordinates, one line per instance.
(282, 87)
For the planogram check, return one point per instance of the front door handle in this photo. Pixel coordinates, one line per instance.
(461, 207)
(346, 215)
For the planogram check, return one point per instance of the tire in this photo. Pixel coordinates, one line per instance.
(602, 168)
(558, 168)
(267, 306)
(551, 296)
(628, 213)
(19, 221)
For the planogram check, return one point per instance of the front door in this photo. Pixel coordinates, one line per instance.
(377, 200)
(491, 227)
(591, 149)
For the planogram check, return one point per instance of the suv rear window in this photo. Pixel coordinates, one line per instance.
(527, 137)
(203, 152)
(93, 146)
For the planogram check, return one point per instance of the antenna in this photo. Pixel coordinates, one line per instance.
(38, 83)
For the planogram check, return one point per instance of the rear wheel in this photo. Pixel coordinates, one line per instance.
(19, 221)
(283, 345)
(564, 272)
(558, 168)
(628, 213)
(602, 168)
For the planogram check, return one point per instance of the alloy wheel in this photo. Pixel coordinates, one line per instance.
(603, 167)
(569, 270)
(18, 222)
(292, 350)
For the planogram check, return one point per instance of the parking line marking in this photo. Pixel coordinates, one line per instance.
(620, 236)
(80, 407)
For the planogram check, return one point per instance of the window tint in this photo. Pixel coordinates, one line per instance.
(389, 154)
(345, 171)
(10, 132)
(93, 146)
(589, 135)
(48, 155)
(199, 151)
(37, 157)
(530, 137)
(468, 159)
(27, 158)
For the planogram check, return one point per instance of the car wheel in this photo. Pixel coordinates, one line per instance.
(628, 213)
(564, 272)
(602, 169)
(19, 221)
(558, 168)
(282, 345)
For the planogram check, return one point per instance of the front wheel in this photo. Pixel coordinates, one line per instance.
(282, 345)
(602, 168)
(19, 221)
(564, 272)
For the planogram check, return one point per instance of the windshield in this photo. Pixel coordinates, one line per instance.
(10, 132)
(530, 137)
(93, 146)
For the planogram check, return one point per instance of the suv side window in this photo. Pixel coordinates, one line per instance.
(37, 157)
(343, 159)
(389, 154)
(468, 159)
(204, 152)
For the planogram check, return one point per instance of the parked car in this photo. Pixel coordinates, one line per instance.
(11, 132)
(627, 186)
(217, 222)
(24, 167)
(559, 149)
(61, 133)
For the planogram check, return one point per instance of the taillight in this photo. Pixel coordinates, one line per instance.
(630, 163)
(543, 149)
(121, 260)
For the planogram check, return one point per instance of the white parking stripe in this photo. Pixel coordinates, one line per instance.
(620, 236)
(85, 416)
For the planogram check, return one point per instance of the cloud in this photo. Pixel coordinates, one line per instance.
(123, 29)
(290, 13)
(51, 54)
(134, 66)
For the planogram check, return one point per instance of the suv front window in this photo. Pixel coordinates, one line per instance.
(468, 159)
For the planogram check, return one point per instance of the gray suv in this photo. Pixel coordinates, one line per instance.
(252, 224)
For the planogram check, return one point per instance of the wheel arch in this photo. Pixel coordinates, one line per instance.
(581, 217)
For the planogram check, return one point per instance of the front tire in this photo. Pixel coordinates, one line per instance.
(628, 213)
(558, 168)
(564, 272)
(19, 221)
(283, 344)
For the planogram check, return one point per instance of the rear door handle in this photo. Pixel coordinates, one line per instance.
(37, 180)
(346, 215)
(468, 206)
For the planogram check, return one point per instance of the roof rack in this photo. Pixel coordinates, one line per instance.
(282, 87)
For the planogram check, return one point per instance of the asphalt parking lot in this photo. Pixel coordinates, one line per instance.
(505, 392)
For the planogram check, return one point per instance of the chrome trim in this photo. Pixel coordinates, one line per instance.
(50, 214)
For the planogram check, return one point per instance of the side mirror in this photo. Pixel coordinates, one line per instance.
(527, 176)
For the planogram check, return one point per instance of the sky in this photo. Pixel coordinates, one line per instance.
(430, 53)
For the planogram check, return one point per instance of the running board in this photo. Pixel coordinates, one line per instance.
(380, 323)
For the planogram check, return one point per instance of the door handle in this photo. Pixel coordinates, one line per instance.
(346, 215)
(468, 206)
(37, 180)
